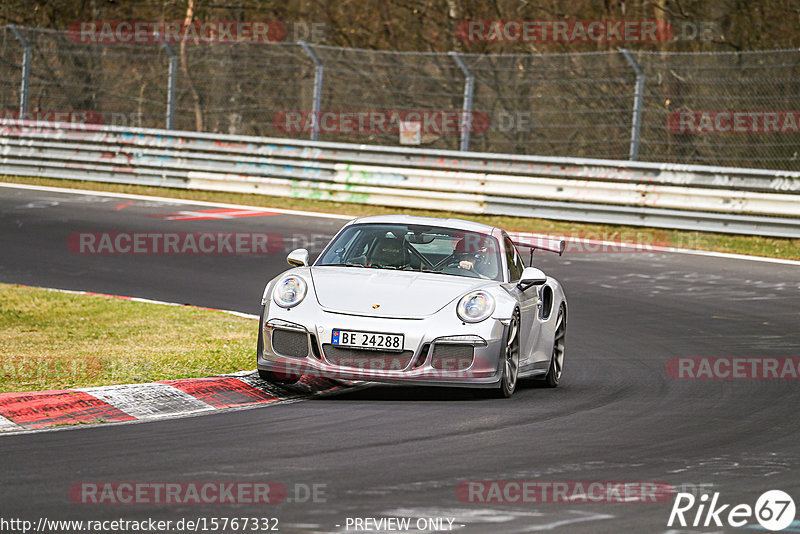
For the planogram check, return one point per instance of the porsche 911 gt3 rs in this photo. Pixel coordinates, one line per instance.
(415, 300)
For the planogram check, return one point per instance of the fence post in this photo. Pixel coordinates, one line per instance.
(26, 70)
(469, 87)
(638, 102)
(172, 77)
(319, 71)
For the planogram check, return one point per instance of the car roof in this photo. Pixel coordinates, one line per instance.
(456, 224)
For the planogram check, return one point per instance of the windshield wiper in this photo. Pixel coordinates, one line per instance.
(348, 264)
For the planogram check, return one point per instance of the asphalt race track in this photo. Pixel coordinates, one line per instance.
(402, 452)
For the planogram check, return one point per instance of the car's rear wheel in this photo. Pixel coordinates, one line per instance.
(510, 364)
(269, 376)
(553, 376)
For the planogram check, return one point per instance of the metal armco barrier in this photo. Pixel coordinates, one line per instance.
(717, 199)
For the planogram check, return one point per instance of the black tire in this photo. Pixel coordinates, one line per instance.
(510, 368)
(269, 376)
(553, 376)
(272, 378)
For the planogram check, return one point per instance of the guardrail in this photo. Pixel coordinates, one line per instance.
(717, 199)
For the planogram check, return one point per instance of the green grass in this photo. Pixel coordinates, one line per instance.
(53, 340)
(737, 244)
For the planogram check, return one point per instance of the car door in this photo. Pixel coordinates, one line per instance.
(528, 304)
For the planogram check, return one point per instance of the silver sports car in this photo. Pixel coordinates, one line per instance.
(415, 300)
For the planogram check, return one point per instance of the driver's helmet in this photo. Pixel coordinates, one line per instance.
(475, 251)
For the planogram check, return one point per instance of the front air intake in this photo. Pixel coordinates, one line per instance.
(290, 343)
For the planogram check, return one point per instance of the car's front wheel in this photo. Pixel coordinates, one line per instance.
(273, 378)
(510, 364)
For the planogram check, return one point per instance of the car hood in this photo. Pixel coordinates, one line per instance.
(387, 293)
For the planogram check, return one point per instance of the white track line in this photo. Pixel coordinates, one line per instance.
(615, 245)
(147, 301)
(176, 201)
(672, 250)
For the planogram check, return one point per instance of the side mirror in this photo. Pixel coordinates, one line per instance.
(298, 258)
(531, 276)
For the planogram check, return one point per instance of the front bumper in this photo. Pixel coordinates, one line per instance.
(437, 350)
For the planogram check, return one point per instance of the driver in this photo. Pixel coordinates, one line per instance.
(472, 253)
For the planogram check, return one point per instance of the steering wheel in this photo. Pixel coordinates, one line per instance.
(453, 268)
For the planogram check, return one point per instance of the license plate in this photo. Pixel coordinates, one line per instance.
(367, 340)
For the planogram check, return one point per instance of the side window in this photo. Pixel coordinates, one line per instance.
(515, 266)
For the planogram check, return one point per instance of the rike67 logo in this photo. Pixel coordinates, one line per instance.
(774, 510)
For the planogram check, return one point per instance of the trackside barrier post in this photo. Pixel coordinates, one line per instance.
(26, 69)
(638, 103)
(319, 72)
(469, 87)
(172, 77)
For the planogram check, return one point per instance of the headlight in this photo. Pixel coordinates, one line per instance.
(289, 291)
(475, 307)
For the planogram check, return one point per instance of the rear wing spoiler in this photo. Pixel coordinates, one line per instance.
(541, 243)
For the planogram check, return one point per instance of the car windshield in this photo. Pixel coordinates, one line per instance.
(411, 247)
